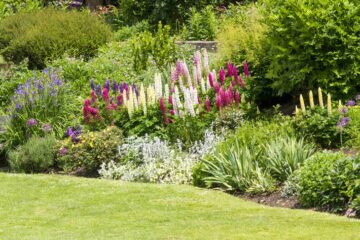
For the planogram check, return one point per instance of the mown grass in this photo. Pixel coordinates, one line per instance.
(61, 207)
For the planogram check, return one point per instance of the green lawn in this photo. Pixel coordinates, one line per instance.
(60, 207)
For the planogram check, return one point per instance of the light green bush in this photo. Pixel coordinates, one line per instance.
(48, 33)
(35, 156)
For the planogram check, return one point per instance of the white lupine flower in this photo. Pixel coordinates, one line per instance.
(181, 84)
(214, 75)
(130, 103)
(158, 86)
(186, 73)
(166, 92)
(175, 106)
(206, 60)
(202, 85)
(135, 100)
(194, 96)
(188, 103)
(177, 98)
(208, 87)
(197, 64)
(142, 97)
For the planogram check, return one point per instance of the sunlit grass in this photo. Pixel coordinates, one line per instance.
(60, 207)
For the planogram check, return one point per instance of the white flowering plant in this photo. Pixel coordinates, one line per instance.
(148, 159)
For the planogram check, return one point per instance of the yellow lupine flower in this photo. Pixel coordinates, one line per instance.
(311, 100)
(329, 104)
(302, 104)
(321, 103)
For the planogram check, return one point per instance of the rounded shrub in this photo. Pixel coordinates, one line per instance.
(48, 33)
(85, 153)
(329, 181)
(35, 156)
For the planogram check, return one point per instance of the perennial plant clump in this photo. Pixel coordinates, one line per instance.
(42, 104)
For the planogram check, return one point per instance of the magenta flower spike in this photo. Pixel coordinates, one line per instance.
(218, 102)
(207, 104)
(105, 95)
(235, 72)
(237, 98)
(163, 111)
(222, 76)
(246, 69)
(229, 69)
(211, 81)
(216, 87)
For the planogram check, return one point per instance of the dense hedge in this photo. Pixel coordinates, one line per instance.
(314, 43)
(47, 34)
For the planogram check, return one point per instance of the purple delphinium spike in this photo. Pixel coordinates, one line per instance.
(115, 86)
(107, 84)
(343, 110)
(98, 90)
(92, 84)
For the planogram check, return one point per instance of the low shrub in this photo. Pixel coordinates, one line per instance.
(320, 127)
(149, 160)
(329, 181)
(35, 156)
(355, 204)
(84, 153)
(48, 33)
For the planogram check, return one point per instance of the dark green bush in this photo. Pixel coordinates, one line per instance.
(329, 181)
(320, 127)
(93, 149)
(314, 43)
(35, 156)
(47, 34)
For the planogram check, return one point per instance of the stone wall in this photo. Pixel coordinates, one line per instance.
(211, 46)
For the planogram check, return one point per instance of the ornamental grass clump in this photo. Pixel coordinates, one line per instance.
(41, 105)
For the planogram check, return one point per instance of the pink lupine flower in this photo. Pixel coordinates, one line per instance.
(216, 87)
(233, 82)
(218, 102)
(235, 72)
(222, 76)
(211, 81)
(246, 69)
(222, 94)
(229, 97)
(237, 98)
(105, 95)
(207, 104)
(170, 100)
(163, 111)
(172, 112)
(229, 69)
(170, 120)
